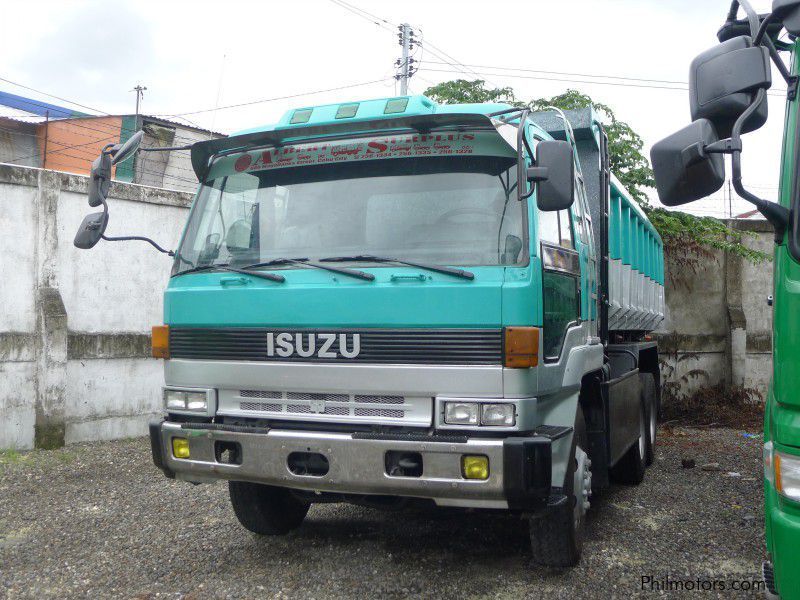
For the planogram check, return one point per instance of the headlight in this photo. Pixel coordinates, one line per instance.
(498, 415)
(461, 413)
(494, 414)
(186, 401)
(787, 475)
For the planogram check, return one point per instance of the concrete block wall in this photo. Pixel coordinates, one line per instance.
(74, 324)
(719, 326)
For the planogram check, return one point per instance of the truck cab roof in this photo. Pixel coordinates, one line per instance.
(379, 116)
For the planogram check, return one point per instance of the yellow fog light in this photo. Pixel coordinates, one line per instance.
(475, 467)
(180, 447)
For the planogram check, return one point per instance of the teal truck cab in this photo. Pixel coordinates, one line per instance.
(393, 300)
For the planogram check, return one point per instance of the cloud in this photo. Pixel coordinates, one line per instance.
(94, 54)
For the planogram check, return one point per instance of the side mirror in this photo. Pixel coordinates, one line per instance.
(128, 148)
(99, 179)
(683, 170)
(91, 230)
(788, 11)
(555, 175)
(722, 82)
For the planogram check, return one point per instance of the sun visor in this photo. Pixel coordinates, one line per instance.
(360, 149)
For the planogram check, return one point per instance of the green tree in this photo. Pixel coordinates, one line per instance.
(688, 238)
(461, 91)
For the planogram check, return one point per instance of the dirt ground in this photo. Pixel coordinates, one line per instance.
(99, 521)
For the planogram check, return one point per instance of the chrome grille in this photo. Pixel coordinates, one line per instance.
(260, 406)
(319, 405)
(379, 399)
(379, 412)
(259, 394)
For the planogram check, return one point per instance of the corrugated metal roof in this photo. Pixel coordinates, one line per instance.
(22, 116)
(152, 118)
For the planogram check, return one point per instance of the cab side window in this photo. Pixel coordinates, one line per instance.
(560, 279)
(556, 228)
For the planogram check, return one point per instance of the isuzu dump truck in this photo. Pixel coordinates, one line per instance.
(728, 86)
(394, 300)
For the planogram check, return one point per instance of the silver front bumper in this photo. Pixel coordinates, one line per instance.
(357, 466)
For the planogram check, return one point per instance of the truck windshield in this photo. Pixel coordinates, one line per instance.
(447, 210)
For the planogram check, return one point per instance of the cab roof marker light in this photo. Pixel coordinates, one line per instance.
(347, 111)
(301, 115)
(395, 106)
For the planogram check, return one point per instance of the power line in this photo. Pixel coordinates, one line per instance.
(359, 12)
(685, 84)
(334, 89)
(582, 81)
(52, 96)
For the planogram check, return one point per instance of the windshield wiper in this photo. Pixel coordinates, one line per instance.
(304, 261)
(385, 259)
(242, 271)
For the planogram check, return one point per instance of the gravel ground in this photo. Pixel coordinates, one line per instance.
(98, 520)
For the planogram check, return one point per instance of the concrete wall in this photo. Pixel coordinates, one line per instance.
(74, 343)
(719, 326)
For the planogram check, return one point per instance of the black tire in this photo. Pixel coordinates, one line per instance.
(266, 510)
(650, 400)
(631, 467)
(557, 535)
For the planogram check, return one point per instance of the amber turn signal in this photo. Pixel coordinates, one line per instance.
(521, 347)
(160, 341)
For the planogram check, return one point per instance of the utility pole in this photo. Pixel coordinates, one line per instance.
(405, 63)
(730, 200)
(139, 89)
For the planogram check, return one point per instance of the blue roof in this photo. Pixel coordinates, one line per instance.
(37, 107)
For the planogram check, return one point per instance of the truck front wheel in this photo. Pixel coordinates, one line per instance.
(557, 535)
(264, 509)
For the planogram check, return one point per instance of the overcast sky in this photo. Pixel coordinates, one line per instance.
(194, 56)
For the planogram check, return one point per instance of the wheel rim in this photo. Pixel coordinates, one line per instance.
(653, 426)
(642, 433)
(582, 485)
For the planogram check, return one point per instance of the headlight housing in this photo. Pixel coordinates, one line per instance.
(461, 413)
(488, 414)
(787, 475)
(189, 401)
(498, 415)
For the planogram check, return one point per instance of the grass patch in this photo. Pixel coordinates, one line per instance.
(11, 457)
(14, 458)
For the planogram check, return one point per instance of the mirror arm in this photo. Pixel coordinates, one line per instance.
(776, 214)
(752, 15)
(129, 238)
(791, 80)
(538, 174)
(522, 145)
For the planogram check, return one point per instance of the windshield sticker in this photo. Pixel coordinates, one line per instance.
(361, 149)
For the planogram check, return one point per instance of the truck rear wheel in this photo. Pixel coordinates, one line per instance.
(264, 509)
(557, 535)
(650, 400)
(630, 468)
